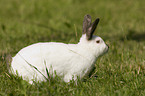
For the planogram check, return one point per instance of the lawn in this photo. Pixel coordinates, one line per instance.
(121, 72)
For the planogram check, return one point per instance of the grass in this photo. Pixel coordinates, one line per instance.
(121, 72)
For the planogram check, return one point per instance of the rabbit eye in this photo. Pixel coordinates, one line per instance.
(98, 41)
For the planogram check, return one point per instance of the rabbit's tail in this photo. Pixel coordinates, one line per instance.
(8, 61)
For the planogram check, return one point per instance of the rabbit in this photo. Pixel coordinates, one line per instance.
(69, 61)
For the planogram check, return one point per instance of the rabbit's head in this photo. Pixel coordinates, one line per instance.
(93, 43)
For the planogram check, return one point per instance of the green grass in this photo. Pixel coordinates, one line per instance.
(121, 72)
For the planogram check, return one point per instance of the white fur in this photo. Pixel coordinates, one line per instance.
(68, 60)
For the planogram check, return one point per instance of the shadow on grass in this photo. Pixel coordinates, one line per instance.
(135, 35)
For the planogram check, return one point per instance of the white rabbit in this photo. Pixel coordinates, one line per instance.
(69, 61)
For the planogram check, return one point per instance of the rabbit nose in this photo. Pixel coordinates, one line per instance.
(107, 44)
(107, 48)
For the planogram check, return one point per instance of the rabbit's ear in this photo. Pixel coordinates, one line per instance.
(88, 27)
(94, 25)
(92, 29)
(86, 23)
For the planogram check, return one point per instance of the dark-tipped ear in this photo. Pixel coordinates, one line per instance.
(86, 23)
(92, 29)
(94, 25)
